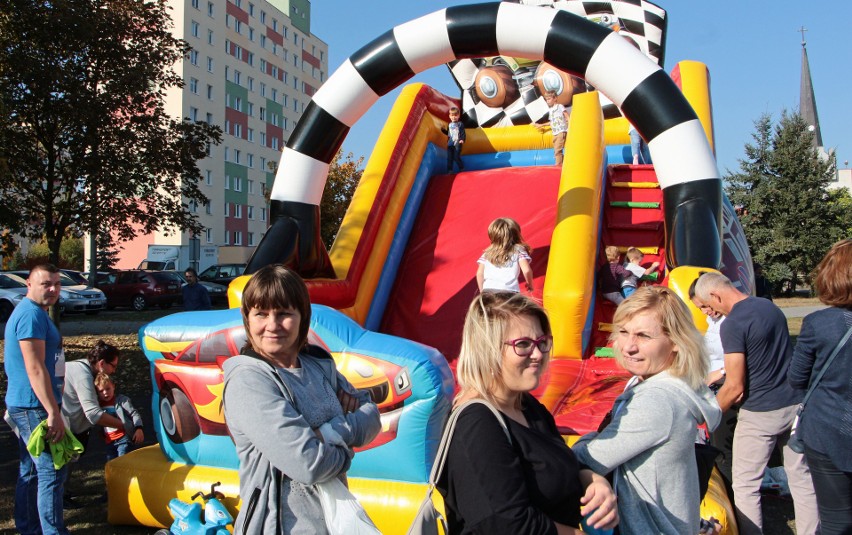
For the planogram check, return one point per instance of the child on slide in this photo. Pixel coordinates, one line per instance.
(506, 257)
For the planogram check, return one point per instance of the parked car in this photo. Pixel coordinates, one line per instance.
(8, 301)
(138, 289)
(218, 292)
(76, 276)
(222, 273)
(74, 297)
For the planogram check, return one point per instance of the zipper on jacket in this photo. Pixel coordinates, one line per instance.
(252, 505)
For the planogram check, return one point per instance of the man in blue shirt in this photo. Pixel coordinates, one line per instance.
(35, 365)
(195, 296)
(757, 350)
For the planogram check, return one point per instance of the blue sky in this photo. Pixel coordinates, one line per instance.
(753, 50)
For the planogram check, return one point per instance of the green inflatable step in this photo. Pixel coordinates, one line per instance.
(634, 204)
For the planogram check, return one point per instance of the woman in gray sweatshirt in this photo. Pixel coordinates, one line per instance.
(649, 445)
(293, 418)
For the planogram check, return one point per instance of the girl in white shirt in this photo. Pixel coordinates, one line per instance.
(506, 257)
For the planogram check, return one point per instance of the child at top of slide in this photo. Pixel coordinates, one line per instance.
(506, 257)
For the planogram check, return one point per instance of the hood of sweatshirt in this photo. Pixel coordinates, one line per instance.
(702, 403)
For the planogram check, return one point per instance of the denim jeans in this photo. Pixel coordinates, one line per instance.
(118, 447)
(38, 494)
(834, 493)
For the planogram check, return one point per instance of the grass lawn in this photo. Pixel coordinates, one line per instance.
(134, 380)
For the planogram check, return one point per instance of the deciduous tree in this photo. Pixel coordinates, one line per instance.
(86, 138)
(343, 178)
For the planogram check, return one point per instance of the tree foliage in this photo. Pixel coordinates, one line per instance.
(789, 217)
(86, 139)
(343, 178)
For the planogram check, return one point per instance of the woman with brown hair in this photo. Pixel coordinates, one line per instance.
(826, 422)
(293, 417)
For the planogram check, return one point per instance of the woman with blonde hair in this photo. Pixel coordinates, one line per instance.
(649, 444)
(506, 257)
(513, 473)
(826, 421)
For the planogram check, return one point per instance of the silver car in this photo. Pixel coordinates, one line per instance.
(8, 301)
(73, 297)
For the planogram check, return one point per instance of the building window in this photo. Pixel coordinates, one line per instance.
(263, 66)
(251, 33)
(263, 214)
(238, 26)
(208, 234)
(237, 77)
(263, 42)
(274, 94)
(250, 191)
(193, 57)
(227, 209)
(195, 4)
(274, 142)
(193, 114)
(263, 138)
(238, 103)
(274, 72)
(250, 59)
(250, 109)
(193, 206)
(263, 17)
(210, 9)
(209, 118)
(208, 177)
(193, 85)
(238, 238)
(238, 211)
(251, 239)
(209, 208)
(236, 160)
(274, 25)
(238, 186)
(251, 10)
(263, 163)
(195, 28)
(227, 237)
(227, 177)
(250, 134)
(250, 83)
(209, 37)
(250, 159)
(262, 88)
(238, 130)
(262, 113)
(250, 212)
(209, 92)
(209, 64)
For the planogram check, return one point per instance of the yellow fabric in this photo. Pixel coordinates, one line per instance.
(64, 451)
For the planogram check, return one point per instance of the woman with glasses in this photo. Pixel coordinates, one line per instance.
(649, 444)
(528, 481)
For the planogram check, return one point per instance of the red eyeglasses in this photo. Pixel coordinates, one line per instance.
(524, 346)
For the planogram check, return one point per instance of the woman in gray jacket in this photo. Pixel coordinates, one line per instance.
(288, 410)
(649, 445)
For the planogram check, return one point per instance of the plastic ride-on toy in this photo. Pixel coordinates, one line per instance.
(188, 519)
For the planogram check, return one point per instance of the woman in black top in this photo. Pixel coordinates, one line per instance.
(532, 484)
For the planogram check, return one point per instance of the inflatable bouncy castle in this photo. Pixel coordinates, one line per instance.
(389, 297)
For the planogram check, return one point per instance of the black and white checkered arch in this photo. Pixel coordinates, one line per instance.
(684, 162)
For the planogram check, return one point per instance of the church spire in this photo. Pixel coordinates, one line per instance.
(807, 100)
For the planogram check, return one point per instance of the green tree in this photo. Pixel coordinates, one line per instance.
(86, 139)
(343, 178)
(789, 217)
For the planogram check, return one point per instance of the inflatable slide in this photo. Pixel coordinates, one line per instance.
(390, 296)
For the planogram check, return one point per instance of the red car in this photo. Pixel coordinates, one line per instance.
(191, 385)
(138, 289)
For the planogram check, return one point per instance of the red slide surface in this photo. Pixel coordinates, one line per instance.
(437, 276)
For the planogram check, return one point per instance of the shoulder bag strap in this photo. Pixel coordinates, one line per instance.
(447, 437)
(827, 364)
